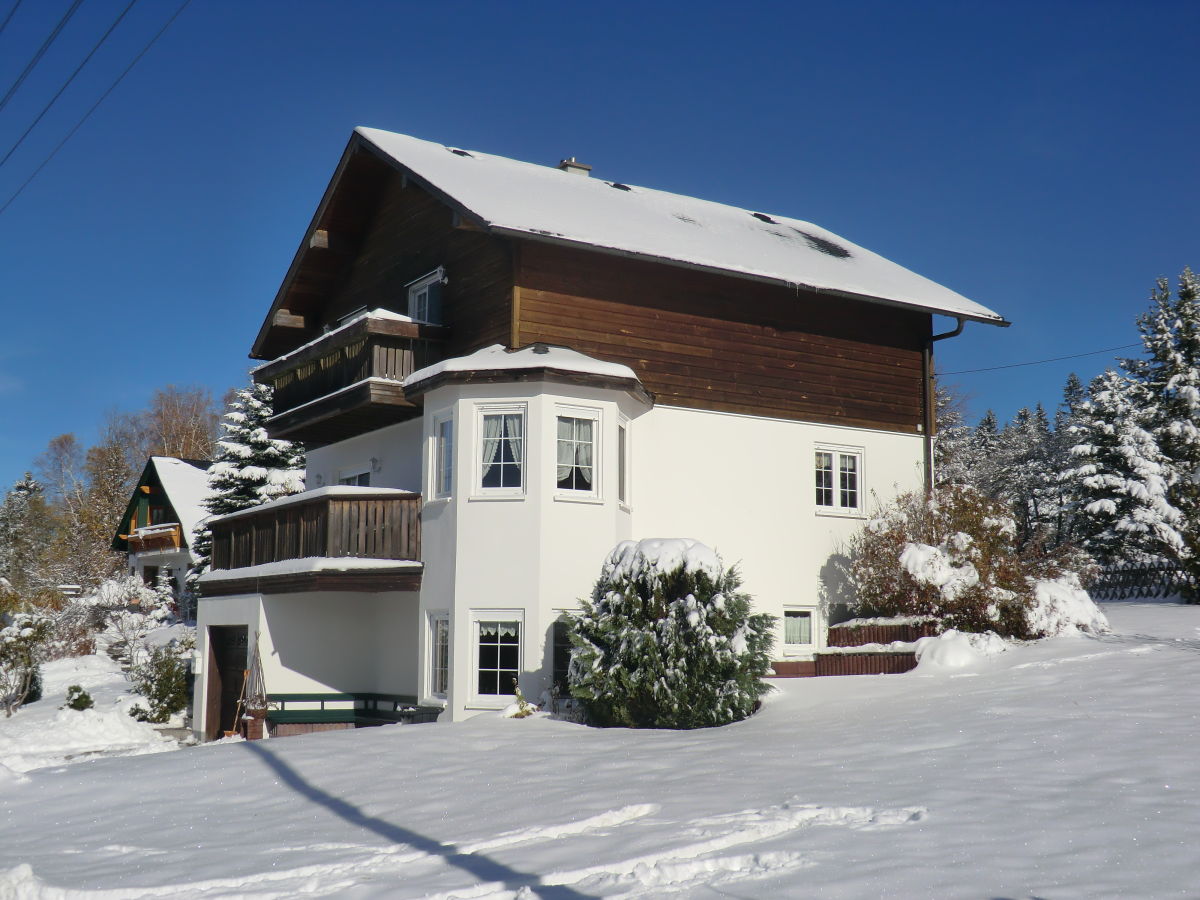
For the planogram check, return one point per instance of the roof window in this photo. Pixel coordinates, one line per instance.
(458, 152)
(824, 245)
(763, 217)
(619, 186)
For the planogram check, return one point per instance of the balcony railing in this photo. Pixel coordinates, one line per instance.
(322, 389)
(333, 523)
(166, 536)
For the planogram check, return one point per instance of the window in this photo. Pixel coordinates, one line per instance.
(359, 479)
(576, 454)
(439, 653)
(797, 626)
(561, 659)
(443, 457)
(622, 464)
(503, 451)
(425, 297)
(499, 656)
(837, 480)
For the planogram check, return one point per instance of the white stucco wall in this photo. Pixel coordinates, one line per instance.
(392, 455)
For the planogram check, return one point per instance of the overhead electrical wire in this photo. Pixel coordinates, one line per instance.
(40, 53)
(1038, 362)
(67, 83)
(87, 115)
(12, 12)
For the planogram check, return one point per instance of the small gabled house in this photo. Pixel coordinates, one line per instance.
(500, 370)
(155, 532)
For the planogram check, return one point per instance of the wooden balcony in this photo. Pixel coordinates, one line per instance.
(167, 536)
(348, 382)
(371, 532)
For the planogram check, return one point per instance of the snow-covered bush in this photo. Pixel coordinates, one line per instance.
(162, 680)
(78, 699)
(668, 641)
(21, 640)
(130, 610)
(954, 556)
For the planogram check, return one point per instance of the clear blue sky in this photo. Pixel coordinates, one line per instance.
(1039, 157)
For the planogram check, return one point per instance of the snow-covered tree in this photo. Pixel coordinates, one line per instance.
(20, 532)
(249, 467)
(21, 638)
(668, 641)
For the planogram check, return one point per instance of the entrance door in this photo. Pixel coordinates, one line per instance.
(228, 656)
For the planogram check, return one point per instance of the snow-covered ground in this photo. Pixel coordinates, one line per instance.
(1062, 769)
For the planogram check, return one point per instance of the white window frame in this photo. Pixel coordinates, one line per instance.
(837, 508)
(495, 701)
(440, 468)
(478, 491)
(800, 649)
(437, 617)
(413, 292)
(349, 477)
(579, 412)
(624, 464)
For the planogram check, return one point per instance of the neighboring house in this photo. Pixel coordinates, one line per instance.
(500, 370)
(156, 530)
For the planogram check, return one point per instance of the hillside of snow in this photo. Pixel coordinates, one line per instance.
(1061, 769)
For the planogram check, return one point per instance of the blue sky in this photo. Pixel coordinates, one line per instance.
(1040, 158)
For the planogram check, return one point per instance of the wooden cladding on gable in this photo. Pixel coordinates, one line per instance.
(716, 342)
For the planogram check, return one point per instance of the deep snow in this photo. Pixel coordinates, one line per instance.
(1061, 769)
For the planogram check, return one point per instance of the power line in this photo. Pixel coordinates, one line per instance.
(87, 115)
(67, 83)
(12, 12)
(40, 53)
(1038, 362)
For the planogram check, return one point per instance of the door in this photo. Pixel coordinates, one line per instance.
(228, 657)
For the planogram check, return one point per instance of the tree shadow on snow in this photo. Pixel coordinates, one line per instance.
(476, 864)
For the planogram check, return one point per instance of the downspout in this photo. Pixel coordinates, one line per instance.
(930, 418)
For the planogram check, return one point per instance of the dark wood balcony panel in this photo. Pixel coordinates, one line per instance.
(303, 582)
(381, 526)
(356, 410)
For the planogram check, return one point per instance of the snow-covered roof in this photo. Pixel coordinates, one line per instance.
(544, 203)
(186, 486)
(535, 356)
(332, 490)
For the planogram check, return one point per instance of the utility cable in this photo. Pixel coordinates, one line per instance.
(67, 83)
(37, 57)
(12, 12)
(1038, 362)
(87, 115)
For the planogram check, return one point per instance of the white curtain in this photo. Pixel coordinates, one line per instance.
(492, 426)
(566, 449)
(512, 431)
(583, 455)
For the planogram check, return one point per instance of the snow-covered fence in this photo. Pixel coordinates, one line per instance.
(1124, 582)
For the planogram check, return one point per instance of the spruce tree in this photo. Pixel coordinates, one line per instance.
(249, 468)
(19, 532)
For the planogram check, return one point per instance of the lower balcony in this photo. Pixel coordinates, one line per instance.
(337, 538)
(167, 536)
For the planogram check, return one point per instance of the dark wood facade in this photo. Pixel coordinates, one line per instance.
(697, 339)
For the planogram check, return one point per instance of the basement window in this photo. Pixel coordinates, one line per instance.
(797, 627)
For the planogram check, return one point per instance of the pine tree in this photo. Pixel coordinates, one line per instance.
(249, 468)
(20, 516)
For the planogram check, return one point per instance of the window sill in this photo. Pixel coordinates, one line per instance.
(494, 705)
(496, 497)
(834, 513)
(799, 649)
(592, 499)
(433, 701)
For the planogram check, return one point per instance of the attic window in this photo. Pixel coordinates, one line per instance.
(824, 245)
(763, 217)
(682, 218)
(458, 152)
(619, 186)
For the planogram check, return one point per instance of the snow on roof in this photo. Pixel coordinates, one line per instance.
(354, 320)
(535, 356)
(332, 490)
(309, 564)
(186, 486)
(544, 203)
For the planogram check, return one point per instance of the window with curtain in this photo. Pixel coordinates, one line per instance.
(443, 479)
(797, 626)
(502, 450)
(576, 452)
(499, 657)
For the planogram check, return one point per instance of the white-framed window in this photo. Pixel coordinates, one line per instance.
(439, 653)
(497, 651)
(357, 479)
(425, 297)
(797, 629)
(501, 450)
(838, 479)
(443, 456)
(623, 462)
(577, 466)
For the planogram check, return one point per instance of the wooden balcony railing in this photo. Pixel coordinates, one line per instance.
(167, 536)
(382, 525)
(322, 389)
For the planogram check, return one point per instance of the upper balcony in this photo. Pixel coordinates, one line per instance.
(347, 381)
(166, 536)
(333, 538)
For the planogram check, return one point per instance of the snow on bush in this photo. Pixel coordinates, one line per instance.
(21, 640)
(954, 557)
(1061, 605)
(953, 649)
(668, 641)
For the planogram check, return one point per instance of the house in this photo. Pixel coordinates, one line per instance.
(156, 530)
(500, 370)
